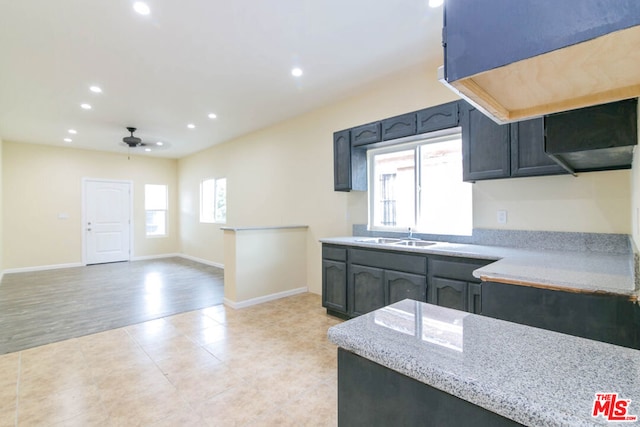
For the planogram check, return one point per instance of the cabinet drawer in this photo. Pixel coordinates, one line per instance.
(336, 253)
(459, 269)
(389, 260)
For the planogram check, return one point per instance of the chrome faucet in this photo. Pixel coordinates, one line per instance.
(410, 236)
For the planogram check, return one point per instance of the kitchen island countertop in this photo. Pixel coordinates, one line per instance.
(532, 376)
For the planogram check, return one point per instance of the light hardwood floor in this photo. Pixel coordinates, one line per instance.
(47, 306)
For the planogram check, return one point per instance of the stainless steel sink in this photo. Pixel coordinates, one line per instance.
(379, 240)
(415, 243)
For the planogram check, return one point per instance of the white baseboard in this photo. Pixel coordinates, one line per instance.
(41, 268)
(202, 261)
(79, 264)
(148, 257)
(266, 298)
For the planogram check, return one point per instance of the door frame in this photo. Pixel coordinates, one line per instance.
(84, 213)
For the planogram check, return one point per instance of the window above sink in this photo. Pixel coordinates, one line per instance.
(419, 185)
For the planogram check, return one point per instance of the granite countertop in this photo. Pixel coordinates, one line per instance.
(565, 270)
(530, 375)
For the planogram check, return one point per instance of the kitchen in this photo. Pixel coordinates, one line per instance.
(295, 185)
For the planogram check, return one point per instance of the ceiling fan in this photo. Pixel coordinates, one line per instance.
(133, 141)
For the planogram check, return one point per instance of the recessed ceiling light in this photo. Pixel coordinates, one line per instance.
(85, 106)
(141, 7)
(212, 116)
(191, 126)
(95, 89)
(435, 3)
(296, 72)
(72, 131)
(159, 143)
(68, 140)
(147, 149)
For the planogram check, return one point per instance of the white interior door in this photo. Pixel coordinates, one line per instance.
(107, 225)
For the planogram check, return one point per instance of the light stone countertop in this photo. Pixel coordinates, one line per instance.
(533, 376)
(565, 270)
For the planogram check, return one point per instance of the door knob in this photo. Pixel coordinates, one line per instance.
(88, 229)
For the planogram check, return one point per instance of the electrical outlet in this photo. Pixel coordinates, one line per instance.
(502, 217)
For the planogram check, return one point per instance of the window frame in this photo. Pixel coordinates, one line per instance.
(212, 219)
(165, 210)
(414, 142)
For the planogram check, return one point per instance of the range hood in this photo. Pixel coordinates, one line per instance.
(515, 60)
(596, 138)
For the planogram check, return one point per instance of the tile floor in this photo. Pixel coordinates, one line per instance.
(266, 365)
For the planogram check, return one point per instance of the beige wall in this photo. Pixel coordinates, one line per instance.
(596, 202)
(40, 182)
(1, 213)
(284, 175)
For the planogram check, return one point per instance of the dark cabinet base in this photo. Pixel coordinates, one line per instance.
(372, 395)
(601, 317)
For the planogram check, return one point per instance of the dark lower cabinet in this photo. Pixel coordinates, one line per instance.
(334, 285)
(449, 293)
(405, 285)
(356, 281)
(474, 299)
(453, 285)
(372, 395)
(366, 289)
(601, 317)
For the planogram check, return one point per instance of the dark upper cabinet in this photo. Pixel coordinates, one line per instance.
(399, 126)
(349, 164)
(366, 134)
(528, 157)
(485, 147)
(440, 117)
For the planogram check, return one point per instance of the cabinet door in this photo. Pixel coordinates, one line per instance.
(341, 161)
(366, 289)
(365, 134)
(485, 147)
(334, 285)
(449, 293)
(398, 127)
(443, 116)
(405, 285)
(527, 150)
(475, 298)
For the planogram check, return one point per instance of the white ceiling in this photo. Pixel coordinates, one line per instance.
(192, 57)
